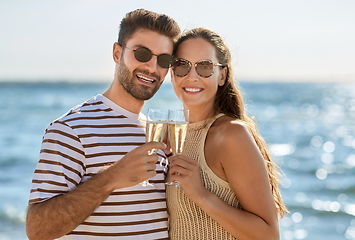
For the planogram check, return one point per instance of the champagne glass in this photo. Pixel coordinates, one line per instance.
(156, 127)
(178, 121)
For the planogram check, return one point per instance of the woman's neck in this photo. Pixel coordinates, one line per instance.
(200, 114)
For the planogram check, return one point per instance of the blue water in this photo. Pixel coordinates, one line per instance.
(310, 129)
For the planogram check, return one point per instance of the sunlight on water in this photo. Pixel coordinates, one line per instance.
(282, 149)
(270, 112)
(15, 214)
(329, 147)
(350, 161)
(309, 128)
(301, 197)
(316, 142)
(317, 155)
(327, 158)
(310, 110)
(321, 174)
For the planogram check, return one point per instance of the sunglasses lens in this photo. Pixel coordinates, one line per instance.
(143, 54)
(165, 60)
(181, 68)
(204, 68)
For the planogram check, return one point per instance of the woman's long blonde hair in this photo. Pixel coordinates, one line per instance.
(229, 100)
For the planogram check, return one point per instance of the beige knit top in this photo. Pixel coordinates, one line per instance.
(187, 220)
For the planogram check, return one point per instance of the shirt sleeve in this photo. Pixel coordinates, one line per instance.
(61, 164)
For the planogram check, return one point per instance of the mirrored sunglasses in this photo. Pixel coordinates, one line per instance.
(143, 54)
(204, 68)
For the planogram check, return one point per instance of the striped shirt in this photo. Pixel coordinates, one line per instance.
(77, 146)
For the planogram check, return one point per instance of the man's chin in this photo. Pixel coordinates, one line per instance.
(142, 95)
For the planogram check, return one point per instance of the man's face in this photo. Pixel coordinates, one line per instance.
(143, 79)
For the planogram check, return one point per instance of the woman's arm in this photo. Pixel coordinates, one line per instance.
(244, 168)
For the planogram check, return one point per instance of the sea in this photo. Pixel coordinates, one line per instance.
(309, 128)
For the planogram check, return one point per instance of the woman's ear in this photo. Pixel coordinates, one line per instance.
(116, 53)
(223, 76)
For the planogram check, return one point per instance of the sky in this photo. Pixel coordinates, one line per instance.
(270, 40)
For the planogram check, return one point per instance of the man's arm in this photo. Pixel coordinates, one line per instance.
(60, 215)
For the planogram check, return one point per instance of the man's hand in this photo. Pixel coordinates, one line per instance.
(59, 215)
(135, 167)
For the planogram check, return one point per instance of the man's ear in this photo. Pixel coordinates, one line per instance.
(117, 49)
(223, 76)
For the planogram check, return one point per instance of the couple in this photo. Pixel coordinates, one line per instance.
(86, 183)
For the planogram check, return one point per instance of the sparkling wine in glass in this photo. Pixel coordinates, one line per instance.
(178, 121)
(156, 127)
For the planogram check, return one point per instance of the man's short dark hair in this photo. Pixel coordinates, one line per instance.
(144, 19)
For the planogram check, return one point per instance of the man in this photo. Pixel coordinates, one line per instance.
(86, 184)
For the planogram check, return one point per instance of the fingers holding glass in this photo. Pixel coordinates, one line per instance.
(184, 169)
(156, 127)
(177, 124)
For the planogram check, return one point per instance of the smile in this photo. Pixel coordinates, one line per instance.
(145, 78)
(193, 90)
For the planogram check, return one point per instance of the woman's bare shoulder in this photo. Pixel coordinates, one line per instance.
(234, 140)
(228, 129)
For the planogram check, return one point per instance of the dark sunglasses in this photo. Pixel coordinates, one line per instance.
(143, 54)
(204, 68)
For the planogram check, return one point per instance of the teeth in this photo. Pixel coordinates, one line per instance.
(193, 89)
(145, 79)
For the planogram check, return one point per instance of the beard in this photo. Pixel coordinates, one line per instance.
(138, 91)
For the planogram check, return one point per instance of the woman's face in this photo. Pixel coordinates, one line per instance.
(194, 91)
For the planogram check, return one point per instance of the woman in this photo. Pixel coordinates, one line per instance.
(229, 185)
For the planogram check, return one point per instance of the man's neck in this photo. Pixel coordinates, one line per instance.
(117, 94)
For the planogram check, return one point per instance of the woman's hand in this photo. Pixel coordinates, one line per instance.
(187, 172)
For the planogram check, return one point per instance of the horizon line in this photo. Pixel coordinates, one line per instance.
(168, 80)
